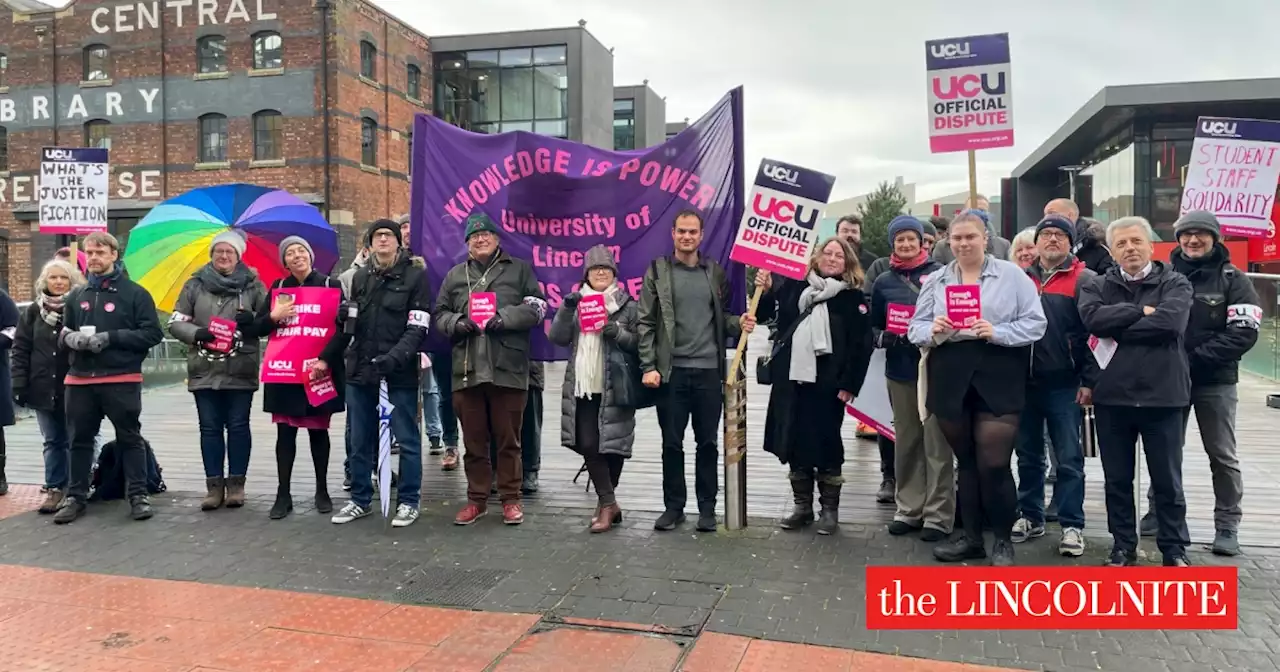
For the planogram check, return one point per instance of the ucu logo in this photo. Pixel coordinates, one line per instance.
(949, 50)
(1218, 127)
(968, 86)
(785, 212)
(59, 154)
(280, 365)
(780, 174)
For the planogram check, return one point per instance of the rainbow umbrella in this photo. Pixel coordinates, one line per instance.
(172, 241)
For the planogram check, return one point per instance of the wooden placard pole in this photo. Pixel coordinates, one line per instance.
(973, 179)
(735, 432)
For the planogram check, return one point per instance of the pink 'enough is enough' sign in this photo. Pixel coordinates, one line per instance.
(964, 305)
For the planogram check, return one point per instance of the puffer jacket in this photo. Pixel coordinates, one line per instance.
(199, 302)
(500, 358)
(393, 317)
(656, 324)
(617, 425)
(898, 288)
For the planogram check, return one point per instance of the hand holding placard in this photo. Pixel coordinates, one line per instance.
(898, 318)
(483, 306)
(224, 332)
(964, 305)
(592, 313)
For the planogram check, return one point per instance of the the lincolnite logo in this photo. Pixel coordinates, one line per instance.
(949, 50)
(1218, 127)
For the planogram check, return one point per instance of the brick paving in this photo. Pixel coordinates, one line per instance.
(760, 583)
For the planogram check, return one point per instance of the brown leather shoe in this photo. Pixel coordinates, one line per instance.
(610, 515)
(450, 460)
(52, 500)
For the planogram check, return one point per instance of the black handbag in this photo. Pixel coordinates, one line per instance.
(764, 364)
(624, 372)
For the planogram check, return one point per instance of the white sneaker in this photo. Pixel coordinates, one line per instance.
(1025, 529)
(1072, 543)
(349, 513)
(405, 516)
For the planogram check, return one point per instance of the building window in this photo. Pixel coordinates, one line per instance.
(4, 148)
(97, 63)
(97, 133)
(413, 82)
(268, 51)
(624, 124)
(368, 60)
(408, 136)
(268, 136)
(495, 91)
(4, 70)
(368, 142)
(213, 138)
(211, 54)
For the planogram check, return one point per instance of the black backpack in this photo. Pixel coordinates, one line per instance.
(108, 480)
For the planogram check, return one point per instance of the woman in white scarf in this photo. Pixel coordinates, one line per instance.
(818, 362)
(596, 419)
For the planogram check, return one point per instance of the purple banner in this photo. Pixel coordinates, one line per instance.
(554, 199)
(1238, 129)
(966, 52)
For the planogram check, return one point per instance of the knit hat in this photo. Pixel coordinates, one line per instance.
(478, 222)
(1198, 220)
(929, 229)
(230, 237)
(597, 257)
(296, 240)
(383, 224)
(982, 214)
(905, 223)
(1060, 223)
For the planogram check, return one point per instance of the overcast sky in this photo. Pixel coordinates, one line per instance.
(838, 85)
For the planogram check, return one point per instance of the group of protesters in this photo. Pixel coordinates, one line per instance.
(1080, 316)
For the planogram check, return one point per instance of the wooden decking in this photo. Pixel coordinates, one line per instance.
(169, 422)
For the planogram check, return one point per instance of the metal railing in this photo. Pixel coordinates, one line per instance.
(1264, 358)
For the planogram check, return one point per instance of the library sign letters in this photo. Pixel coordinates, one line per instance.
(128, 17)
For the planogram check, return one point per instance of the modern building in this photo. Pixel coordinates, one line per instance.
(1126, 151)
(674, 127)
(313, 96)
(557, 82)
(639, 117)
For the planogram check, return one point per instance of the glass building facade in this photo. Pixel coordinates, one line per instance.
(624, 124)
(495, 91)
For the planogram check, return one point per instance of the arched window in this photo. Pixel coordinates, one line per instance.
(368, 60)
(413, 82)
(211, 54)
(368, 142)
(97, 63)
(213, 138)
(268, 136)
(268, 51)
(97, 133)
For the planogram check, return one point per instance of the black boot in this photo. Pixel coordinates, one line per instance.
(829, 499)
(140, 507)
(1002, 553)
(4, 483)
(963, 547)
(802, 490)
(283, 504)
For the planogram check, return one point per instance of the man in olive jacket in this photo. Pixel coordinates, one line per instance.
(683, 325)
(487, 306)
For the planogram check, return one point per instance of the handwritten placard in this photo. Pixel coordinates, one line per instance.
(321, 390)
(592, 314)
(1233, 173)
(484, 306)
(898, 317)
(224, 334)
(964, 305)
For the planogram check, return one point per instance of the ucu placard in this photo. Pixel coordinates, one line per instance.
(970, 93)
(778, 228)
(1234, 168)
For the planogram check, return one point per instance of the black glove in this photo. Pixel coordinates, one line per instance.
(203, 335)
(20, 397)
(571, 300)
(384, 365)
(465, 326)
(245, 319)
(610, 331)
(494, 324)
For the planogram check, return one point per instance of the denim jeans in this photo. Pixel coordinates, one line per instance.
(431, 404)
(442, 369)
(224, 430)
(57, 448)
(362, 409)
(1055, 407)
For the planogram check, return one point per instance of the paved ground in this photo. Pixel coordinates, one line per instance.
(759, 583)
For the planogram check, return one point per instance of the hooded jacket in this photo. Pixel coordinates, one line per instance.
(1225, 316)
(394, 313)
(1149, 366)
(1061, 358)
(199, 302)
(657, 320)
(120, 308)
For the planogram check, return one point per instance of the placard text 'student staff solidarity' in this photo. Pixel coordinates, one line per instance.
(543, 161)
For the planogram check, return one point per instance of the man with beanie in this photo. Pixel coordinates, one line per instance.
(110, 325)
(1063, 372)
(392, 301)
(997, 246)
(487, 306)
(1090, 235)
(683, 325)
(1224, 323)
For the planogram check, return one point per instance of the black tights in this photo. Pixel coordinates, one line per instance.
(287, 450)
(983, 444)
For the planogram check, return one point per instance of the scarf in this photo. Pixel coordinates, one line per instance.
(102, 281)
(588, 356)
(812, 337)
(51, 309)
(899, 264)
(217, 283)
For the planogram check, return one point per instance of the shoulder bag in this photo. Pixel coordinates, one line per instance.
(764, 373)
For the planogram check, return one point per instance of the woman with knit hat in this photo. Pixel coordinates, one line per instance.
(598, 408)
(223, 379)
(287, 402)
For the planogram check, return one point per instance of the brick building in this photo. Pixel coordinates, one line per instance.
(191, 93)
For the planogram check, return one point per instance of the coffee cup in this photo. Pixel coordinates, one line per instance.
(88, 330)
